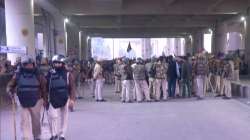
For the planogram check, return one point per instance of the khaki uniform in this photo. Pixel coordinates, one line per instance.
(161, 80)
(30, 117)
(227, 75)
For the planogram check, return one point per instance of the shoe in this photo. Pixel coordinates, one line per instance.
(199, 98)
(226, 98)
(217, 95)
(80, 97)
(102, 100)
(129, 101)
(123, 101)
(53, 138)
(61, 138)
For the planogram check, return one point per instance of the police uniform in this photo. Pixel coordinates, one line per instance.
(161, 69)
(61, 87)
(227, 75)
(139, 72)
(150, 67)
(201, 72)
(217, 72)
(117, 77)
(127, 81)
(98, 77)
(31, 92)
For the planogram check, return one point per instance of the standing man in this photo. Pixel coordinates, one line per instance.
(201, 69)
(99, 80)
(31, 92)
(217, 72)
(127, 80)
(141, 85)
(117, 76)
(227, 76)
(172, 76)
(61, 87)
(186, 77)
(161, 69)
(150, 67)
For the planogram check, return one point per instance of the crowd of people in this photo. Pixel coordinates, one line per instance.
(57, 83)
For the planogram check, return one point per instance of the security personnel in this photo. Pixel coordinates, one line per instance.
(127, 80)
(227, 76)
(31, 92)
(161, 69)
(200, 72)
(150, 67)
(217, 72)
(99, 80)
(141, 86)
(61, 87)
(117, 76)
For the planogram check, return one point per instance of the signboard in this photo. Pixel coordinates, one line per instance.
(13, 49)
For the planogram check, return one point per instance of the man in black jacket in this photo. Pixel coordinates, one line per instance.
(172, 76)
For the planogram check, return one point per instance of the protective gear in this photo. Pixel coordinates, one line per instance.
(27, 88)
(58, 58)
(27, 60)
(59, 92)
(139, 72)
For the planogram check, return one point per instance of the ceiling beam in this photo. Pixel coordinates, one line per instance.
(215, 5)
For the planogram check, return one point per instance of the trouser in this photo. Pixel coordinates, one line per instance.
(171, 87)
(161, 83)
(117, 84)
(126, 90)
(152, 87)
(177, 88)
(186, 88)
(134, 90)
(217, 84)
(79, 87)
(58, 119)
(98, 89)
(236, 75)
(141, 90)
(92, 84)
(208, 84)
(200, 86)
(30, 120)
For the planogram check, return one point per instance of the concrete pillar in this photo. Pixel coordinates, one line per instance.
(60, 36)
(20, 26)
(188, 45)
(147, 49)
(84, 45)
(247, 40)
(198, 42)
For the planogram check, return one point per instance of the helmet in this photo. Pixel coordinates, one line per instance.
(58, 58)
(27, 60)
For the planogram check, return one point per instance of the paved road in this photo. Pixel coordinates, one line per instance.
(210, 119)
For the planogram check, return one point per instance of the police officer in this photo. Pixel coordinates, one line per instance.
(127, 79)
(31, 92)
(141, 86)
(61, 87)
(227, 76)
(99, 80)
(117, 76)
(200, 72)
(161, 69)
(217, 72)
(150, 67)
